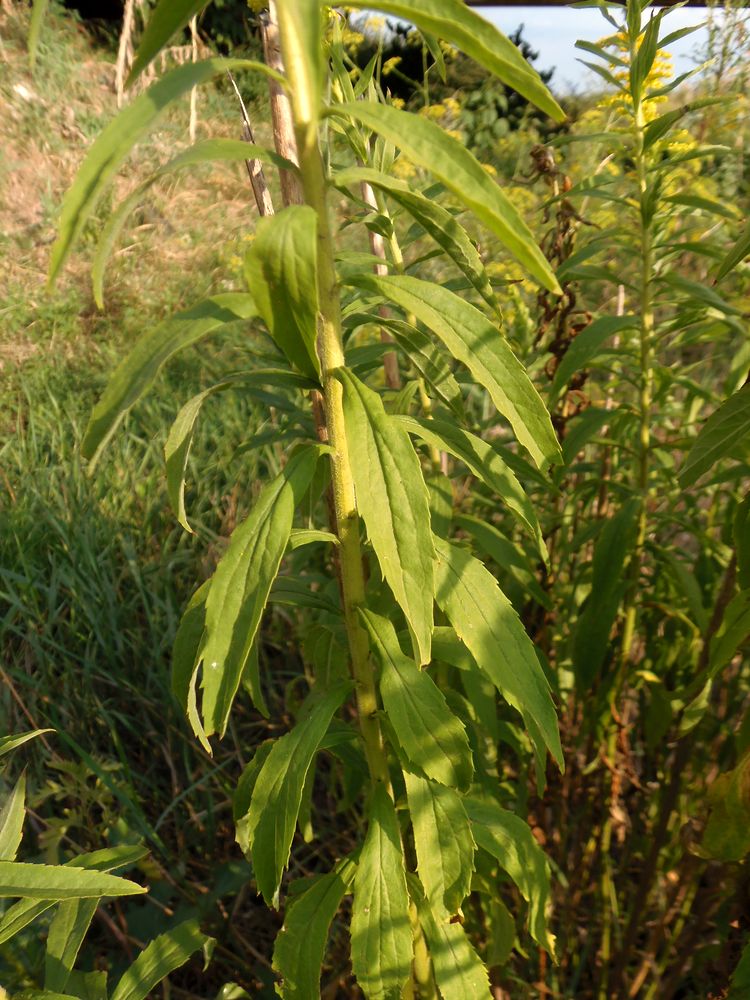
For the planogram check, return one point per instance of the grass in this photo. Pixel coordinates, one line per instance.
(94, 570)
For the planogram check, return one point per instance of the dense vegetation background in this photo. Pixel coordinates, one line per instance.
(647, 846)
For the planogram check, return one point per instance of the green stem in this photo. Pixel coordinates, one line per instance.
(331, 353)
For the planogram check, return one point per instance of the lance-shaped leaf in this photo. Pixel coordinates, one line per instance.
(11, 820)
(186, 659)
(241, 584)
(22, 913)
(611, 553)
(734, 630)
(180, 437)
(19, 878)
(454, 22)
(66, 933)
(277, 792)
(380, 928)
(163, 955)
(281, 271)
(719, 436)
(116, 141)
(393, 501)
(164, 21)
(428, 146)
(486, 622)
(8, 743)
(429, 733)
(477, 343)
(508, 839)
(459, 972)
(736, 255)
(485, 462)
(585, 347)
(443, 841)
(300, 945)
(135, 375)
(210, 150)
(434, 219)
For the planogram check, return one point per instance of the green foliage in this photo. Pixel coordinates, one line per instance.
(481, 444)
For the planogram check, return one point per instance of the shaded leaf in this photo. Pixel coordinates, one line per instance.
(64, 940)
(300, 945)
(161, 956)
(723, 430)
(135, 375)
(277, 793)
(241, 584)
(281, 272)
(164, 21)
(488, 625)
(508, 839)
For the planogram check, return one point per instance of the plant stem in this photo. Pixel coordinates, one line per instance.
(331, 353)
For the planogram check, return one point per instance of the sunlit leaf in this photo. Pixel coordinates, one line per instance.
(163, 955)
(427, 145)
(380, 929)
(722, 432)
(432, 737)
(393, 501)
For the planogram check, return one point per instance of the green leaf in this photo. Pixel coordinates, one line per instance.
(180, 437)
(243, 794)
(491, 541)
(427, 145)
(611, 554)
(734, 630)
(64, 940)
(210, 150)
(11, 820)
(432, 217)
(459, 972)
(302, 31)
(116, 141)
(164, 21)
(723, 430)
(22, 913)
(8, 743)
(277, 794)
(508, 839)
(739, 988)
(487, 624)
(300, 945)
(485, 462)
(60, 882)
(454, 22)
(281, 272)
(163, 955)
(477, 343)
(430, 734)
(736, 255)
(741, 534)
(186, 659)
(443, 841)
(135, 375)
(38, 11)
(584, 348)
(380, 929)
(394, 504)
(241, 584)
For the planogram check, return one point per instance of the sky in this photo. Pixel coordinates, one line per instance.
(555, 32)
